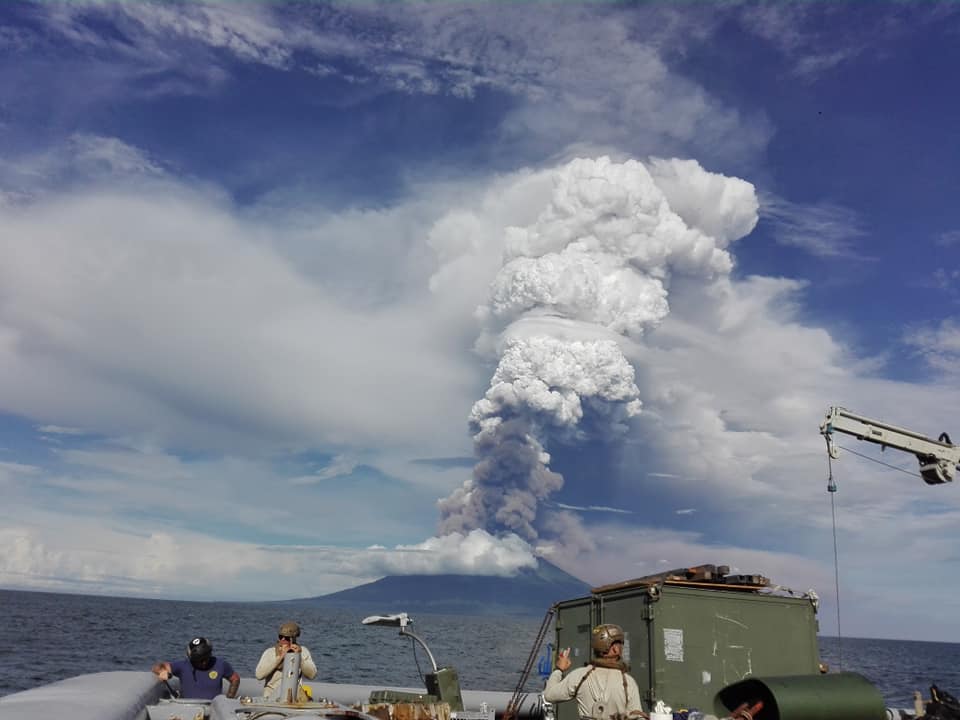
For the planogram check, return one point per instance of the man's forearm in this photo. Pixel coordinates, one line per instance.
(234, 686)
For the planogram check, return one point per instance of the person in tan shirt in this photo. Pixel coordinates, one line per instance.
(603, 688)
(270, 667)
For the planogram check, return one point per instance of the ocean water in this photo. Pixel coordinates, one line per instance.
(897, 667)
(47, 636)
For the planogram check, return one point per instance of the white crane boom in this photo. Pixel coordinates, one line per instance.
(938, 458)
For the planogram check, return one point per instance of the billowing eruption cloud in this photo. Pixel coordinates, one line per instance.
(543, 386)
(594, 268)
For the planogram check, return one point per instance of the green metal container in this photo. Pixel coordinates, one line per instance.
(445, 684)
(839, 696)
(685, 644)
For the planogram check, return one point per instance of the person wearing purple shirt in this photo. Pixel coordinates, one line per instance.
(202, 673)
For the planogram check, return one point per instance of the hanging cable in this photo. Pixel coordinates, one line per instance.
(413, 646)
(832, 489)
(880, 462)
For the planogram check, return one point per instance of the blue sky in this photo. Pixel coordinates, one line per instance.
(294, 296)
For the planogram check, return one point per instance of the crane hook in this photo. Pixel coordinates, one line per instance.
(833, 452)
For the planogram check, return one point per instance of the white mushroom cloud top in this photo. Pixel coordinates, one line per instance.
(603, 249)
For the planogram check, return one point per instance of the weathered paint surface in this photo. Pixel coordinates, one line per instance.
(408, 711)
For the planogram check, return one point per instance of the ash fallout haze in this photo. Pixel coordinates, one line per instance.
(294, 296)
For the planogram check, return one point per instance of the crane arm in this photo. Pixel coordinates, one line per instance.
(938, 458)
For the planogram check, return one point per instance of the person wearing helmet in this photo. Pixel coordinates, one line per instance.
(270, 667)
(202, 673)
(603, 688)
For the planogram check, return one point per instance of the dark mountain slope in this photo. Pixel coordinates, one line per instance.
(530, 592)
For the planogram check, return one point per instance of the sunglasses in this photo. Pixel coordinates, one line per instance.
(286, 637)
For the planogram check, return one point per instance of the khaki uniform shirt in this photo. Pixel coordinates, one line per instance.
(272, 677)
(601, 696)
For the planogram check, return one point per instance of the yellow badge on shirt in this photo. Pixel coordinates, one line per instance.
(213, 675)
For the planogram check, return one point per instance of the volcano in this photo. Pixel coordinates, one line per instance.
(530, 592)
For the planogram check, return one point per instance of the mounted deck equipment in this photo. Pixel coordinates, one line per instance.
(693, 631)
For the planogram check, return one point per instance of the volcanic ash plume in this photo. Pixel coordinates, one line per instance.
(542, 387)
(593, 267)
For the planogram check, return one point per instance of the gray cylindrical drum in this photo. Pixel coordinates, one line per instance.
(289, 683)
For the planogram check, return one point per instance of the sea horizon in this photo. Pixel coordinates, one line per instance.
(303, 599)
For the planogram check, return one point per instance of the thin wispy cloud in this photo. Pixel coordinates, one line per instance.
(19, 468)
(947, 280)
(810, 35)
(938, 345)
(59, 430)
(950, 238)
(824, 229)
(593, 508)
(340, 466)
(82, 160)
